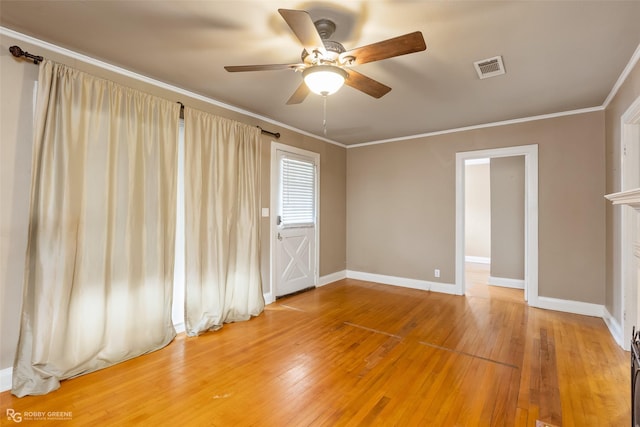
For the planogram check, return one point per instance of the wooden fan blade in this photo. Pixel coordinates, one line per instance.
(299, 95)
(265, 67)
(303, 27)
(402, 45)
(366, 84)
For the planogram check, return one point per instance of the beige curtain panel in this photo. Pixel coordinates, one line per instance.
(222, 222)
(98, 281)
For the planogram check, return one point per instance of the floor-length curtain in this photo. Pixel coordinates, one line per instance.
(222, 235)
(100, 253)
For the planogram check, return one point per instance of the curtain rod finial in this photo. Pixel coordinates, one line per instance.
(17, 52)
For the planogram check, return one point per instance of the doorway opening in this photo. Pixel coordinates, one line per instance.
(530, 153)
(494, 227)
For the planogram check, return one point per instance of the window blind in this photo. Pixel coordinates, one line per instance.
(298, 192)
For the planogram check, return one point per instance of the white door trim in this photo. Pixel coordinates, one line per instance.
(530, 153)
(273, 231)
(630, 134)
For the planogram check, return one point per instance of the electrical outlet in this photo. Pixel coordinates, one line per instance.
(436, 272)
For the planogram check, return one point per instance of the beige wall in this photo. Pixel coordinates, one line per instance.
(477, 220)
(17, 78)
(625, 96)
(507, 217)
(401, 203)
(16, 111)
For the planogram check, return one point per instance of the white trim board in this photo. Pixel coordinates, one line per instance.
(268, 298)
(6, 378)
(625, 216)
(332, 277)
(123, 71)
(104, 65)
(402, 282)
(546, 303)
(615, 328)
(623, 77)
(482, 126)
(506, 282)
(567, 306)
(477, 259)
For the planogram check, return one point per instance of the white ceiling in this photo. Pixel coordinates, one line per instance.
(559, 55)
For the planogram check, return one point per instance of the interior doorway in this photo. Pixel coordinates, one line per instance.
(530, 153)
(494, 227)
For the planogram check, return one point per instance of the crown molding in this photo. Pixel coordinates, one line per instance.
(623, 76)
(110, 67)
(127, 73)
(482, 126)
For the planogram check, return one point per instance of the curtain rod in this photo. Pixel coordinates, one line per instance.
(17, 52)
(276, 135)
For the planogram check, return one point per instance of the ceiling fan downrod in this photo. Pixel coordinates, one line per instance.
(325, 27)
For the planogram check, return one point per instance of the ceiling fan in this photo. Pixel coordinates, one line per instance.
(326, 64)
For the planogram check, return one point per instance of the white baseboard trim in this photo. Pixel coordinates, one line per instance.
(506, 282)
(179, 327)
(402, 281)
(268, 298)
(477, 259)
(616, 330)
(6, 377)
(444, 288)
(567, 306)
(332, 277)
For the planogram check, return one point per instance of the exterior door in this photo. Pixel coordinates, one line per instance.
(295, 222)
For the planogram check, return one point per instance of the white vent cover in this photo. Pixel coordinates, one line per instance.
(489, 67)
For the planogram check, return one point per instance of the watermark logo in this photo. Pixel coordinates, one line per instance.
(14, 416)
(18, 417)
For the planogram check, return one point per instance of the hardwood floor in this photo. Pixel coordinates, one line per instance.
(359, 353)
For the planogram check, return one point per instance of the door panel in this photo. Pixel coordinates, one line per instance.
(295, 260)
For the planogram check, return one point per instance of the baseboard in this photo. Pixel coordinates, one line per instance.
(6, 376)
(402, 281)
(506, 282)
(477, 259)
(615, 329)
(444, 288)
(268, 298)
(567, 306)
(179, 327)
(332, 277)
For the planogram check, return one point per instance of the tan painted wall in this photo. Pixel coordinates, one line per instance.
(16, 107)
(401, 203)
(507, 217)
(477, 225)
(16, 79)
(625, 96)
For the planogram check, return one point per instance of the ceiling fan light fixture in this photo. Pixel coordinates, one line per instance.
(324, 79)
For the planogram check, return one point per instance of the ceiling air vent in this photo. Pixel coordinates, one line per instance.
(489, 67)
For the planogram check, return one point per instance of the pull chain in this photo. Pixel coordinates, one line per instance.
(324, 114)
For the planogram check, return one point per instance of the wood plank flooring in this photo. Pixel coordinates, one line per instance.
(360, 353)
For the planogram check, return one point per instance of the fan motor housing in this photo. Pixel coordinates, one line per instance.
(333, 48)
(325, 28)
